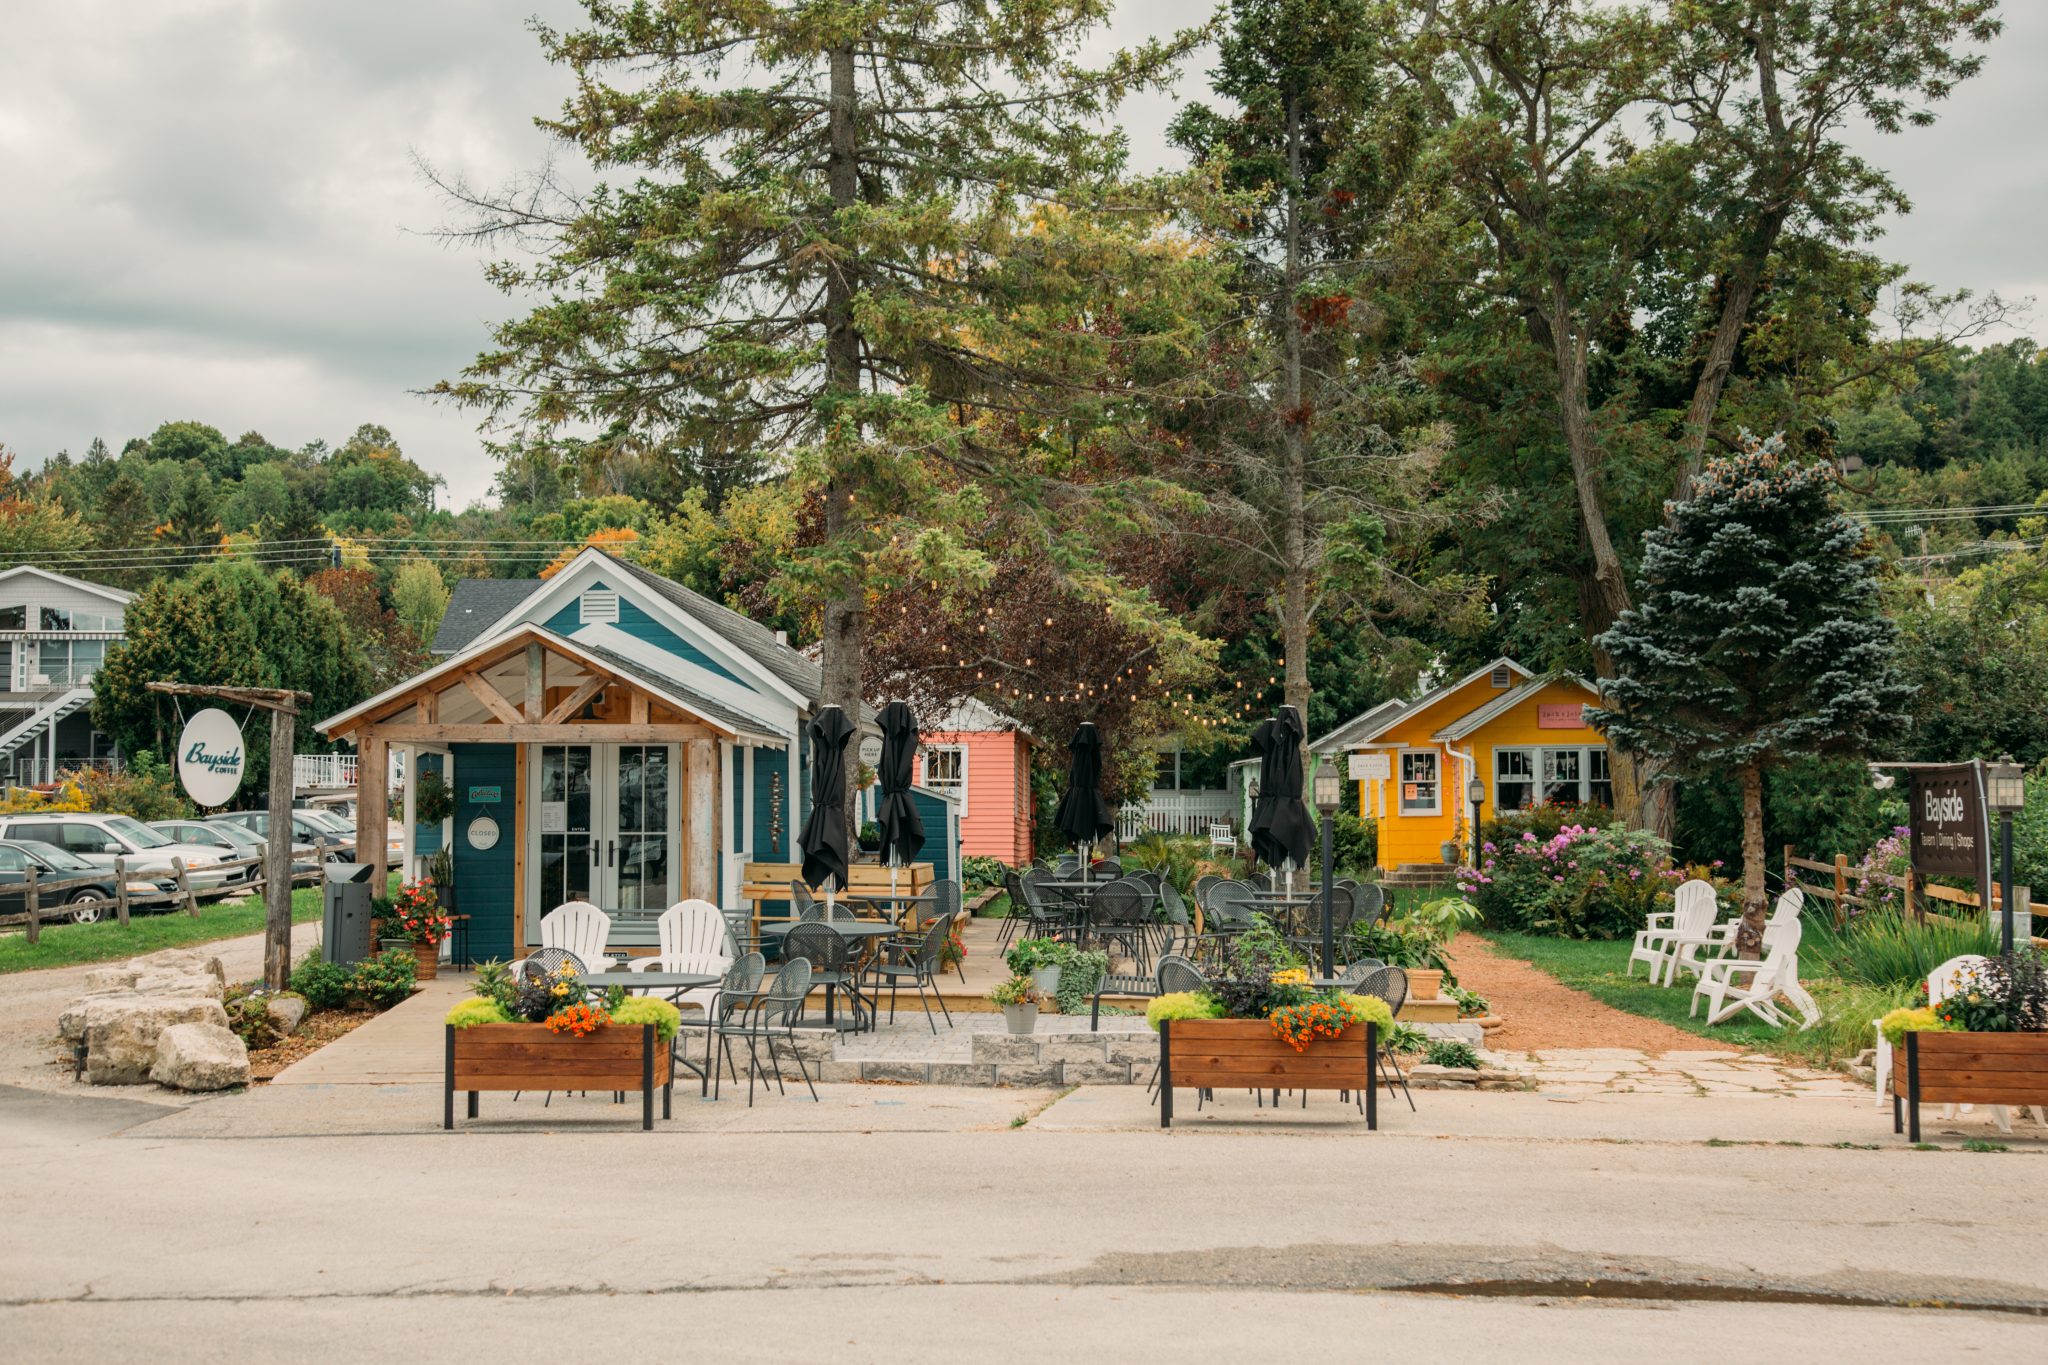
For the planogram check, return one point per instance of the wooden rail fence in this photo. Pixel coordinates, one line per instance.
(46, 898)
(1835, 888)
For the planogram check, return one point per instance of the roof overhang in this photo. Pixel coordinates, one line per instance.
(1474, 720)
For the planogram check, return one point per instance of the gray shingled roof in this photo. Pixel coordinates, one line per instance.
(475, 606)
(747, 634)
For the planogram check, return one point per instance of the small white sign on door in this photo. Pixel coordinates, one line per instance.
(554, 817)
(1371, 767)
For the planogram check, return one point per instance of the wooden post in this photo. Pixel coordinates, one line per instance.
(121, 890)
(277, 852)
(1841, 889)
(1788, 865)
(1913, 906)
(185, 887)
(35, 908)
(701, 868)
(373, 805)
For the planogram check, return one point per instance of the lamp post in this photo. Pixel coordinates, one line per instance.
(2005, 793)
(1329, 795)
(1475, 792)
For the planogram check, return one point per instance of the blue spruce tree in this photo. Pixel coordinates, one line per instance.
(1756, 638)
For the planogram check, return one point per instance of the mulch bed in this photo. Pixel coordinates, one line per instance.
(316, 1032)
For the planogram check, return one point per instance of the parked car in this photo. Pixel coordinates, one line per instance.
(100, 839)
(84, 904)
(394, 837)
(237, 841)
(344, 806)
(331, 846)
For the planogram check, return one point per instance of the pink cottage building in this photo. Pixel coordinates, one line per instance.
(983, 758)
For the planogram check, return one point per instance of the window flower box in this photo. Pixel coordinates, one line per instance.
(1209, 1054)
(533, 1057)
(1967, 1068)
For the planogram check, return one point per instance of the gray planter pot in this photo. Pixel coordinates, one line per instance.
(1451, 853)
(1046, 981)
(1021, 1018)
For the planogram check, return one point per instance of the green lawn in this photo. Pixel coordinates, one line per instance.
(68, 945)
(1597, 969)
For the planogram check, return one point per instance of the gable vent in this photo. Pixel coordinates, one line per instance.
(1503, 677)
(598, 607)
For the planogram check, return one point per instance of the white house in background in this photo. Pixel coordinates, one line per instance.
(1177, 803)
(54, 633)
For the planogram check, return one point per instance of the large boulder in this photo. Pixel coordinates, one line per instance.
(71, 1023)
(121, 1032)
(173, 971)
(286, 1012)
(199, 1057)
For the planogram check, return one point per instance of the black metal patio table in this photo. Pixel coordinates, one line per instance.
(862, 931)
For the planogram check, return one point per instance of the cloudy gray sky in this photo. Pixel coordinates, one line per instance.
(211, 210)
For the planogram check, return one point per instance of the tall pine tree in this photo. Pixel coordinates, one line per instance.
(1756, 638)
(820, 249)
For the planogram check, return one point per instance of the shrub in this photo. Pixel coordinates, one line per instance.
(248, 1011)
(637, 1011)
(1407, 1037)
(147, 788)
(477, 1010)
(978, 873)
(1354, 844)
(1263, 945)
(324, 984)
(1181, 1005)
(1173, 856)
(1584, 881)
(1451, 1052)
(384, 981)
(1469, 1003)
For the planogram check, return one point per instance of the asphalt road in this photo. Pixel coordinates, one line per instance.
(920, 1224)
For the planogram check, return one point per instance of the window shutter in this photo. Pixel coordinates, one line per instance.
(598, 607)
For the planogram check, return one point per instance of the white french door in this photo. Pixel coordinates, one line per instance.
(602, 828)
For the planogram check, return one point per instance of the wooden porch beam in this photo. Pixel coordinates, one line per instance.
(582, 732)
(536, 682)
(493, 700)
(569, 705)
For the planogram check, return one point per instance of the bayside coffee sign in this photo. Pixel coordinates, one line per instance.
(1947, 821)
(210, 757)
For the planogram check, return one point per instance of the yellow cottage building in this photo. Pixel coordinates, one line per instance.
(1524, 737)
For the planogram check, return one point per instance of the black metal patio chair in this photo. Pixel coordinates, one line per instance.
(772, 1015)
(919, 963)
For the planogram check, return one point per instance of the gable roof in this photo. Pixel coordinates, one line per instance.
(475, 605)
(971, 715)
(99, 589)
(1369, 726)
(1506, 701)
(752, 638)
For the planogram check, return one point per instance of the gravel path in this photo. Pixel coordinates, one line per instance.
(1543, 1013)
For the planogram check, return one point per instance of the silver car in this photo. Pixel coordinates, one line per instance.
(101, 839)
(237, 841)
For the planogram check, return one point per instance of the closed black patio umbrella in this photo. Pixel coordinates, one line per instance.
(1280, 827)
(902, 829)
(823, 839)
(1083, 816)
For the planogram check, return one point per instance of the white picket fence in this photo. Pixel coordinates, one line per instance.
(314, 771)
(1176, 813)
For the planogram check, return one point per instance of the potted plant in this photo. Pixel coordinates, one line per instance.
(418, 922)
(870, 837)
(540, 1031)
(1013, 997)
(1041, 960)
(434, 801)
(1985, 1043)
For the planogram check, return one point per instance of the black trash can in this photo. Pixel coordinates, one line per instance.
(345, 912)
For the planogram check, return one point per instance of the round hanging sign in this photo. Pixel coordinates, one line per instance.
(870, 750)
(210, 757)
(483, 833)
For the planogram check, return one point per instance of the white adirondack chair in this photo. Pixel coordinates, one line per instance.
(1222, 837)
(1731, 984)
(1719, 941)
(694, 937)
(580, 928)
(1690, 917)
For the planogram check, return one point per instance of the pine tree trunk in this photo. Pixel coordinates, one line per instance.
(1749, 937)
(1294, 435)
(840, 628)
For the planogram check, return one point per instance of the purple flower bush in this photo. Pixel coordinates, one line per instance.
(1583, 881)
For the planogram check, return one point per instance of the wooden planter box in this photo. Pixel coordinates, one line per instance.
(1967, 1068)
(529, 1057)
(1244, 1054)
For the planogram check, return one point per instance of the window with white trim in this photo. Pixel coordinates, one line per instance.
(1576, 775)
(1421, 793)
(945, 770)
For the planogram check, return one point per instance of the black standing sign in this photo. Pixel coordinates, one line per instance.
(1947, 822)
